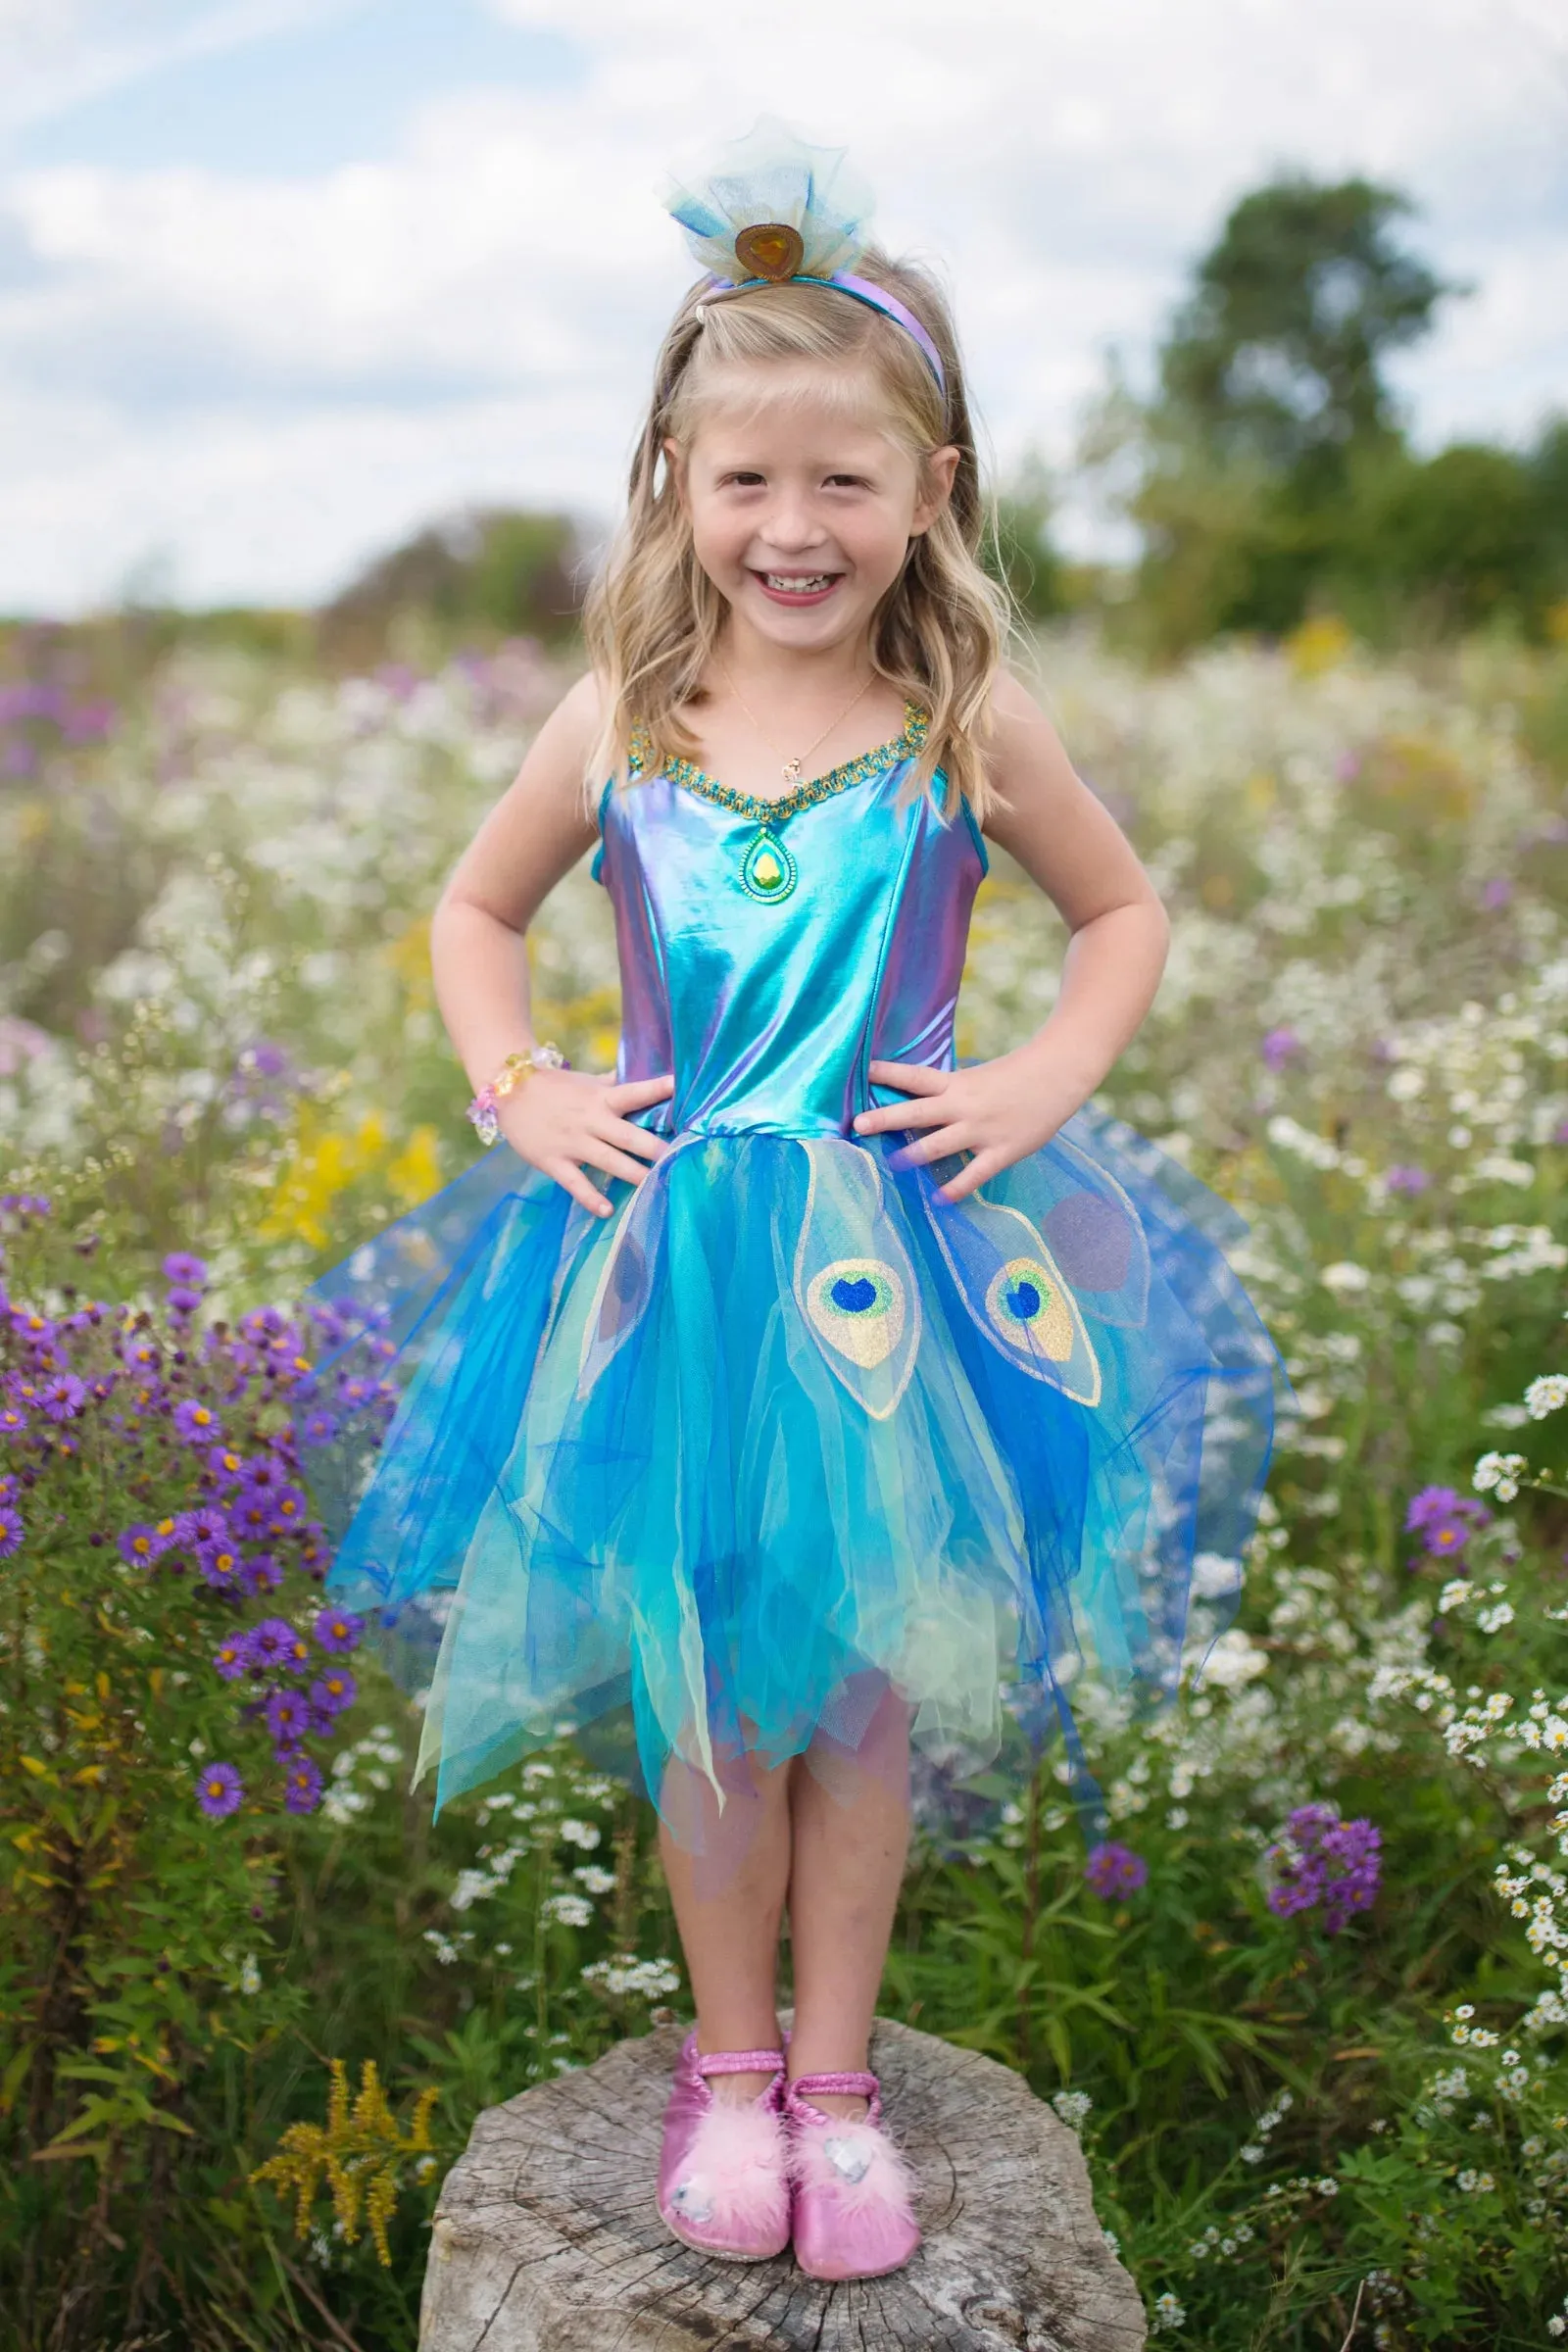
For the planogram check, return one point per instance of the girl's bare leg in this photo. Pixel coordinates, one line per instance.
(851, 1837)
(730, 1905)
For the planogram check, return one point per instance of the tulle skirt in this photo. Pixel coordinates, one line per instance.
(783, 1441)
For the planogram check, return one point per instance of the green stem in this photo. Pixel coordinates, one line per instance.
(541, 1997)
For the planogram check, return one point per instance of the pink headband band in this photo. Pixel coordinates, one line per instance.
(876, 297)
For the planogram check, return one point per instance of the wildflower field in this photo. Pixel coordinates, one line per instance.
(1305, 2007)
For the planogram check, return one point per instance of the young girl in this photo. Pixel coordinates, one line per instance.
(794, 1400)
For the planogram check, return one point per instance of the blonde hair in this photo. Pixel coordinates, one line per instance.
(653, 616)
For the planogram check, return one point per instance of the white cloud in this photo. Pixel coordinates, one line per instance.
(58, 52)
(275, 377)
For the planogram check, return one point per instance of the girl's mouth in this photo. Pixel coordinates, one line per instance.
(797, 587)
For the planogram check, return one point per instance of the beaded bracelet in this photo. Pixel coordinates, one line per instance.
(511, 1075)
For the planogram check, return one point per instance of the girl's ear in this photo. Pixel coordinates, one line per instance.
(676, 463)
(937, 480)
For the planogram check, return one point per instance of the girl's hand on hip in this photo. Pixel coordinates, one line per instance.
(559, 1120)
(996, 1110)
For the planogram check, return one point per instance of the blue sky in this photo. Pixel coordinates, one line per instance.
(281, 280)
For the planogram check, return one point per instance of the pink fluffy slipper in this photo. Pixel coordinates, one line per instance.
(723, 2178)
(853, 2194)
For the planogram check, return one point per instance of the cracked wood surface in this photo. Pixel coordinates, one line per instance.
(547, 2238)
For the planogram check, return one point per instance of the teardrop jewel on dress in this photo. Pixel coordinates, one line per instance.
(769, 871)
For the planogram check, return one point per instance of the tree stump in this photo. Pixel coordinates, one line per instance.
(547, 2238)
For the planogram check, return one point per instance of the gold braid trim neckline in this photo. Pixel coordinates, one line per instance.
(757, 811)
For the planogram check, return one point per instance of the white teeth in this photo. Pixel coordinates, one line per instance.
(789, 584)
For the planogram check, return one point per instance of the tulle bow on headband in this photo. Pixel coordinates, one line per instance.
(776, 209)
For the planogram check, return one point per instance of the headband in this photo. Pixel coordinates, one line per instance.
(785, 213)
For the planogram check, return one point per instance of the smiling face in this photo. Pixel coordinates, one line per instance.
(801, 501)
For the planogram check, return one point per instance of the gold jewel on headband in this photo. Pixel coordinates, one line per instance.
(777, 210)
(772, 249)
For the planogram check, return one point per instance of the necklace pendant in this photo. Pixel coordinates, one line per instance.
(792, 771)
(769, 872)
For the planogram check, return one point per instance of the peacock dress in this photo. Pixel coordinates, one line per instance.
(787, 1431)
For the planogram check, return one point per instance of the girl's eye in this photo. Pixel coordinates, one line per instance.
(741, 480)
(849, 481)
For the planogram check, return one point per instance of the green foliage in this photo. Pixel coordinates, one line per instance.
(1277, 353)
(1269, 474)
(1362, 868)
(484, 573)
(1019, 548)
(1451, 543)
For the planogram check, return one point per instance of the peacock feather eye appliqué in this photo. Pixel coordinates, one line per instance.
(1016, 1293)
(857, 1305)
(855, 1284)
(1029, 1310)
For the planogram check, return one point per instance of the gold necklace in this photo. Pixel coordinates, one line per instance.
(791, 767)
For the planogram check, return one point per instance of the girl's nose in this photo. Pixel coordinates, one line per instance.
(792, 529)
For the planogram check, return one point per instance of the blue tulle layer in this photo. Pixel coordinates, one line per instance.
(785, 1431)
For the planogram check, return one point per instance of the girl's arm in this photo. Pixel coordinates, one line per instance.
(535, 834)
(1069, 843)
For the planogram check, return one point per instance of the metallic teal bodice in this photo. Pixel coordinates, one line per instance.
(769, 952)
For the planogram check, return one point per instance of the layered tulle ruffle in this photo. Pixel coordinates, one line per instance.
(712, 1474)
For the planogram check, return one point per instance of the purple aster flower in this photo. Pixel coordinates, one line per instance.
(13, 1421)
(262, 1473)
(140, 1545)
(1280, 1046)
(271, 1641)
(320, 1429)
(288, 1507)
(182, 1302)
(251, 1513)
(1324, 1862)
(64, 1397)
(196, 1422)
(334, 1689)
(261, 1574)
(1113, 1870)
(230, 1657)
(1445, 1520)
(219, 1564)
(224, 1462)
(220, 1790)
(338, 1628)
(1407, 1180)
(201, 1528)
(304, 1786)
(354, 1391)
(180, 1266)
(286, 1713)
(1432, 1502)
(11, 1530)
